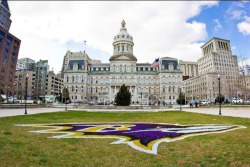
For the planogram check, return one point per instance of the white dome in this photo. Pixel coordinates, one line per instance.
(123, 35)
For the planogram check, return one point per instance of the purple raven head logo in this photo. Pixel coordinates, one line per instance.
(144, 137)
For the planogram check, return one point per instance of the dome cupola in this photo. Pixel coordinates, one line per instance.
(123, 42)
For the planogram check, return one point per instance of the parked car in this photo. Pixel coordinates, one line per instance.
(91, 102)
(247, 101)
(100, 103)
(237, 101)
(13, 100)
(204, 102)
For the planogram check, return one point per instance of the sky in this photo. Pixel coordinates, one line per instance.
(159, 29)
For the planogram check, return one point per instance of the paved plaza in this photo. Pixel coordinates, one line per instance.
(243, 112)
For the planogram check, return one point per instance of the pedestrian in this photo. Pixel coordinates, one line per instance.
(190, 104)
(196, 104)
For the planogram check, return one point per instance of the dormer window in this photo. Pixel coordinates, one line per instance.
(75, 66)
(170, 66)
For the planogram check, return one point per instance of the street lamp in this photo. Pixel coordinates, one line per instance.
(26, 86)
(65, 99)
(13, 93)
(170, 99)
(180, 98)
(210, 97)
(141, 98)
(219, 96)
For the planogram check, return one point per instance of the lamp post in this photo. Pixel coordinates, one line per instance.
(13, 93)
(180, 98)
(26, 86)
(170, 99)
(141, 98)
(210, 97)
(219, 96)
(65, 98)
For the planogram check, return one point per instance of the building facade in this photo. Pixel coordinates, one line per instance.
(20, 65)
(5, 20)
(216, 59)
(52, 84)
(86, 79)
(9, 49)
(190, 69)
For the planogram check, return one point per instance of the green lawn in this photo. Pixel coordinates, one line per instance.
(18, 147)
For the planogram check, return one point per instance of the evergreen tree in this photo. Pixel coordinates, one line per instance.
(65, 94)
(182, 97)
(222, 98)
(123, 97)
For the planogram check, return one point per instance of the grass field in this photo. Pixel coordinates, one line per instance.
(18, 147)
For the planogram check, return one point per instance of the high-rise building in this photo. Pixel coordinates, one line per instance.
(9, 49)
(216, 59)
(5, 20)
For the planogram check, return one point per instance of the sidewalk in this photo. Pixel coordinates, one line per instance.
(233, 112)
(20, 111)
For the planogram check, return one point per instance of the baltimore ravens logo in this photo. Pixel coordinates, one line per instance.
(144, 137)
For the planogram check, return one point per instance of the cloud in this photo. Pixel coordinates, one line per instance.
(218, 26)
(244, 27)
(236, 10)
(47, 29)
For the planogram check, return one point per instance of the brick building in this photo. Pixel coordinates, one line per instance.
(9, 49)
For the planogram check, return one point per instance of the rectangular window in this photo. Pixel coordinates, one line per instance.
(7, 44)
(9, 38)
(2, 33)
(16, 42)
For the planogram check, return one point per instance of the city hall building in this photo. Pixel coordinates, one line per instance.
(86, 78)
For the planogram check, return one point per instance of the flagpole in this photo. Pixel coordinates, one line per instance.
(160, 77)
(84, 43)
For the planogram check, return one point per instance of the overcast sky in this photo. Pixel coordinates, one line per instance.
(173, 29)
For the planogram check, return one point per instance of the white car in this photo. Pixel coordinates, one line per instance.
(237, 101)
(204, 102)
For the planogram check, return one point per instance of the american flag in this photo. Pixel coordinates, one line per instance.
(155, 63)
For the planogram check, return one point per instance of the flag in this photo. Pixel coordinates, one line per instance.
(86, 65)
(156, 63)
